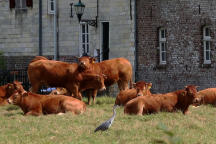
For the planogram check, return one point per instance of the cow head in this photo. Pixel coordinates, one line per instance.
(142, 88)
(199, 99)
(16, 97)
(18, 86)
(191, 91)
(84, 62)
(9, 90)
(100, 82)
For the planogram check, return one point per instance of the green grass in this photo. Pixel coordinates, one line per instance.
(198, 127)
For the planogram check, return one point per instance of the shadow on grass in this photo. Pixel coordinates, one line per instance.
(13, 114)
(12, 107)
(170, 136)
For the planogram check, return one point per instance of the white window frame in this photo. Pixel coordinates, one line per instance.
(206, 39)
(162, 40)
(50, 4)
(20, 4)
(86, 43)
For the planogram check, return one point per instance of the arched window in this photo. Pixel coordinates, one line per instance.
(207, 45)
(162, 45)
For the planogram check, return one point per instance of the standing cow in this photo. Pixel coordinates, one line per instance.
(42, 71)
(117, 70)
(177, 100)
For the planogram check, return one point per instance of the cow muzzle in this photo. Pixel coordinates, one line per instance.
(9, 101)
(197, 102)
(103, 88)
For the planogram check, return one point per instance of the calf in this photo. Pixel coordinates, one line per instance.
(141, 88)
(35, 104)
(59, 91)
(177, 100)
(5, 92)
(116, 70)
(206, 96)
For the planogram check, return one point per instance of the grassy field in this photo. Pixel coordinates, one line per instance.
(198, 127)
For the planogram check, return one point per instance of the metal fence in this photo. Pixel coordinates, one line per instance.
(8, 76)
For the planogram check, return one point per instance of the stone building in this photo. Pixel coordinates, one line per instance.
(176, 41)
(27, 30)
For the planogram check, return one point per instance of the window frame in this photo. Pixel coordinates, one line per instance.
(50, 3)
(162, 52)
(206, 39)
(86, 42)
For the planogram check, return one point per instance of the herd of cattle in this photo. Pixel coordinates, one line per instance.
(88, 75)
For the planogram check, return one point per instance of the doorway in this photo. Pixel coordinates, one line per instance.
(105, 41)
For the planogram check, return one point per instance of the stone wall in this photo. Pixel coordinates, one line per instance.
(184, 20)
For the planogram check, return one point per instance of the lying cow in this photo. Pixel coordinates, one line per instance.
(42, 71)
(206, 96)
(117, 70)
(170, 102)
(59, 91)
(5, 92)
(35, 104)
(141, 88)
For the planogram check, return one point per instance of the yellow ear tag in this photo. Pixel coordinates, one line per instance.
(9, 87)
(149, 87)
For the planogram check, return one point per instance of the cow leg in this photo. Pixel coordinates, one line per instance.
(75, 92)
(140, 109)
(89, 94)
(94, 94)
(34, 113)
(35, 87)
(122, 85)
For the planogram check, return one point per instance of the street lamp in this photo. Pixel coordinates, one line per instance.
(79, 9)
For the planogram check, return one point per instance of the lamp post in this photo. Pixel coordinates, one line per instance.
(79, 9)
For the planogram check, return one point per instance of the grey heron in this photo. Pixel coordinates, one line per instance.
(104, 126)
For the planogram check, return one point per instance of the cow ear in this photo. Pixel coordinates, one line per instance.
(183, 93)
(149, 85)
(92, 60)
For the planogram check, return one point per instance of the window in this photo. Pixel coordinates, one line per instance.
(207, 45)
(162, 45)
(20, 4)
(50, 6)
(84, 39)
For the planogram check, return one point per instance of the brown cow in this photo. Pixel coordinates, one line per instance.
(35, 104)
(177, 100)
(5, 92)
(117, 70)
(61, 74)
(206, 96)
(141, 88)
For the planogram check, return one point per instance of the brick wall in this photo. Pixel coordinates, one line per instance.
(184, 20)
